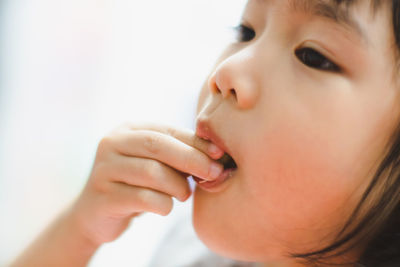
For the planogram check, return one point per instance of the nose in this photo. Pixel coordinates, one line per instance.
(235, 80)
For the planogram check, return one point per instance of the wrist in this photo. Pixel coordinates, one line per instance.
(79, 235)
(63, 243)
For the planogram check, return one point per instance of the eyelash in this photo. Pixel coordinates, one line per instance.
(308, 56)
(313, 59)
(243, 33)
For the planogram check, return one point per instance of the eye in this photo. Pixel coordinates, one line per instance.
(243, 33)
(316, 60)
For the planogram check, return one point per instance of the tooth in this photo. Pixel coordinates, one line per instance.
(203, 181)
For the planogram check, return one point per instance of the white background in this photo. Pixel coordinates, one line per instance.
(73, 70)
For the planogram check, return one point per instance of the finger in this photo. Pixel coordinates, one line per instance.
(148, 173)
(187, 136)
(167, 149)
(127, 200)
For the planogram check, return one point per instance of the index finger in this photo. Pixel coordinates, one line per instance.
(188, 137)
(169, 150)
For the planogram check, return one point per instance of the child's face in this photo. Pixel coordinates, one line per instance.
(306, 132)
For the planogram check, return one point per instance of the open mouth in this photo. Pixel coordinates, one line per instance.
(229, 168)
(205, 131)
(227, 161)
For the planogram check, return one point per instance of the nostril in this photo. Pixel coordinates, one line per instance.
(233, 92)
(215, 89)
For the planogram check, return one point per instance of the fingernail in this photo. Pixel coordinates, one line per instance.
(215, 170)
(213, 149)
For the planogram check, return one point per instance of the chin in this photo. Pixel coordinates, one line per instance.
(225, 240)
(209, 231)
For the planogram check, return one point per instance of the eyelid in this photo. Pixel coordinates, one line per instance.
(245, 23)
(323, 51)
(242, 23)
(320, 49)
(239, 29)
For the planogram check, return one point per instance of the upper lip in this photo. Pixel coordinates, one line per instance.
(204, 130)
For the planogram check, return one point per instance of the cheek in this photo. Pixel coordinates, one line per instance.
(298, 182)
(310, 176)
(288, 196)
(301, 179)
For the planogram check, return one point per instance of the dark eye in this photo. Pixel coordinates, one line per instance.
(243, 33)
(314, 59)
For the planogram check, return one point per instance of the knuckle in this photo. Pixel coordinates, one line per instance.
(97, 180)
(152, 144)
(143, 197)
(148, 200)
(153, 168)
(105, 143)
(100, 187)
(171, 131)
(104, 148)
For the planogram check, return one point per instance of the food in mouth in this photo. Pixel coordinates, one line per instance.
(227, 161)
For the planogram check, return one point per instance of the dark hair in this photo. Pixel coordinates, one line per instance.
(378, 226)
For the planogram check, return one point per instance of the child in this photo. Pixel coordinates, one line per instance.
(295, 155)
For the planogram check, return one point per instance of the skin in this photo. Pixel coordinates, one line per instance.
(316, 136)
(138, 168)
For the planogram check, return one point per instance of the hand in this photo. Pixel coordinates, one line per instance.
(140, 169)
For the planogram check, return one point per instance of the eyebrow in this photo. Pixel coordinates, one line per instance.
(331, 10)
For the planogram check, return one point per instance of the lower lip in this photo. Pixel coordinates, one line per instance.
(216, 185)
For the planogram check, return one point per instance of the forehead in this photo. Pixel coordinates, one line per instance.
(340, 12)
(374, 3)
(338, 8)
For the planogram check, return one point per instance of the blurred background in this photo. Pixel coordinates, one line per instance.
(71, 71)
